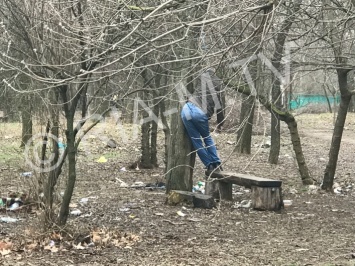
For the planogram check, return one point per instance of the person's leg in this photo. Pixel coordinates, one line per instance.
(190, 116)
(202, 126)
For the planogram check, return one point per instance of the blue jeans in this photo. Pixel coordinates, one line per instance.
(196, 124)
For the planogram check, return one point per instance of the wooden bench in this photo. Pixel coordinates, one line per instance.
(3, 117)
(266, 193)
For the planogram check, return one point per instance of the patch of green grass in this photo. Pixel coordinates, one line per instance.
(10, 153)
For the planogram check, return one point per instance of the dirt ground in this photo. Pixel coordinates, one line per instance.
(133, 226)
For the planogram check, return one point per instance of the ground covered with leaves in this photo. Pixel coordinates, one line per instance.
(113, 223)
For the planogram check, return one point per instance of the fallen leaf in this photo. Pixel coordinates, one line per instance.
(5, 245)
(5, 252)
(102, 159)
(32, 246)
(96, 238)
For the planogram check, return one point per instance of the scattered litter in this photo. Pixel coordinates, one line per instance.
(51, 243)
(337, 191)
(322, 159)
(123, 184)
(337, 188)
(12, 203)
(86, 215)
(124, 209)
(123, 169)
(102, 159)
(308, 202)
(159, 214)
(302, 249)
(157, 185)
(75, 212)
(180, 213)
(312, 188)
(61, 145)
(84, 200)
(80, 247)
(111, 143)
(61, 193)
(138, 184)
(245, 204)
(266, 145)
(200, 187)
(230, 142)
(287, 203)
(8, 220)
(26, 174)
(14, 206)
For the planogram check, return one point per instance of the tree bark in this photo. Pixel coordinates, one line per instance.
(145, 143)
(26, 121)
(70, 135)
(166, 130)
(52, 175)
(181, 159)
(345, 99)
(276, 87)
(245, 129)
(275, 124)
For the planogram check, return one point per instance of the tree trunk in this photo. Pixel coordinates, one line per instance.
(181, 160)
(245, 129)
(166, 130)
(26, 121)
(338, 130)
(297, 147)
(70, 134)
(145, 143)
(52, 175)
(275, 125)
(276, 87)
(156, 108)
(292, 125)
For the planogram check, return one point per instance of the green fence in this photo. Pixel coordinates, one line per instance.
(302, 100)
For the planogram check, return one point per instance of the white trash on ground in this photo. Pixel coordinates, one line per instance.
(8, 220)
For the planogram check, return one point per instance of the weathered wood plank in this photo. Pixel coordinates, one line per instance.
(244, 180)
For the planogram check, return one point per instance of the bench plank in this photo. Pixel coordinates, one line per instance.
(244, 180)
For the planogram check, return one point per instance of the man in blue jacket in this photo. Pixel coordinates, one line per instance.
(195, 115)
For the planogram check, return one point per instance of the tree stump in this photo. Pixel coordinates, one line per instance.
(218, 189)
(176, 197)
(266, 198)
